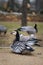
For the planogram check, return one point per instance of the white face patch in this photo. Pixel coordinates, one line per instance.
(14, 32)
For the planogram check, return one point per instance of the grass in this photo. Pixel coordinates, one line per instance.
(15, 25)
(11, 25)
(8, 38)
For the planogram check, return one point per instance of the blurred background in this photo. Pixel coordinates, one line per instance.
(34, 9)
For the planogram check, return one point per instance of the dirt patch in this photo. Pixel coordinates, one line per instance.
(9, 58)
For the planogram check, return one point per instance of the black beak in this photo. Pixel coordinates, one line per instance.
(19, 29)
(11, 33)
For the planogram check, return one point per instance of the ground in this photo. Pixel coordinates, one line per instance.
(9, 58)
